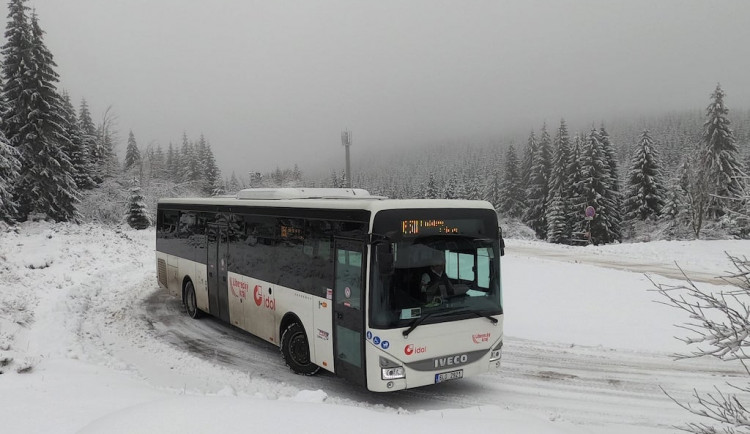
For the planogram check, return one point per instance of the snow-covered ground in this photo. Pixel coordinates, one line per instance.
(89, 344)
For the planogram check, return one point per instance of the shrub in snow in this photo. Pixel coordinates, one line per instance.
(720, 324)
(137, 216)
(26, 366)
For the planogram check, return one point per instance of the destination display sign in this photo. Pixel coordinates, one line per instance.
(428, 227)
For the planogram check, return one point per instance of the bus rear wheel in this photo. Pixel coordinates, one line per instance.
(295, 350)
(191, 306)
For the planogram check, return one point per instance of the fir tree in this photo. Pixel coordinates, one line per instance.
(17, 61)
(132, 154)
(212, 174)
(472, 188)
(89, 143)
(576, 203)
(538, 189)
(46, 184)
(493, 192)
(451, 187)
(9, 171)
(511, 200)
(137, 216)
(612, 185)
(721, 158)
(557, 205)
(524, 170)
(431, 192)
(595, 191)
(78, 153)
(234, 184)
(173, 164)
(645, 196)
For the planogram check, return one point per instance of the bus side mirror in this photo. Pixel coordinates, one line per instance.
(502, 240)
(385, 259)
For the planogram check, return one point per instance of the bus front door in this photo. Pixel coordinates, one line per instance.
(218, 293)
(348, 313)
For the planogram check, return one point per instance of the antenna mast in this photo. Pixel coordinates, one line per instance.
(346, 140)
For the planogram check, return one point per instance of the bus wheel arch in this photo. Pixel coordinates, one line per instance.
(189, 299)
(295, 347)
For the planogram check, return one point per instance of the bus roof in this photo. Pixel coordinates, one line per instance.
(324, 198)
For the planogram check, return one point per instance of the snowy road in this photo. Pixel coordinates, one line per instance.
(582, 385)
(666, 268)
(586, 348)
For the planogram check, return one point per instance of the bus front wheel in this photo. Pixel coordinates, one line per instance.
(295, 350)
(191, 307)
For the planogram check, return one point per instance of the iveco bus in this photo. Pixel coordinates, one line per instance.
(390, 294)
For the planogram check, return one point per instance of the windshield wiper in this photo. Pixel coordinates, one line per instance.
(414, 324)
(480, 314)
(417, 322)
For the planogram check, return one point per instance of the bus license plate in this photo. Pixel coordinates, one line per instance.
(445, 376)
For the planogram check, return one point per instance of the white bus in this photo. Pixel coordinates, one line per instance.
(344, 281)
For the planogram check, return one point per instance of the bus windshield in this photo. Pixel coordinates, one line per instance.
(444, 276)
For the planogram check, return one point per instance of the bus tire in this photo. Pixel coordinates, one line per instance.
(295, 350)
(191, 306)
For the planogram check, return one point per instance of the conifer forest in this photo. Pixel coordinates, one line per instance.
(685, 173)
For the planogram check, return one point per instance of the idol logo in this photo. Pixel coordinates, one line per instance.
(258, 295)
(261, 300)
(411, 349)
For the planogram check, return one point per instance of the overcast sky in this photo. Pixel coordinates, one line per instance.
(273, 83)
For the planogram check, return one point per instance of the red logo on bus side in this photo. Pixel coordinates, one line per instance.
(411, 349)
(261, 300)
(481, 337)
(239, 285)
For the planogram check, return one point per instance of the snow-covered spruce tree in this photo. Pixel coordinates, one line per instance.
(537, 192)
(137, 216)
(212, 174)
(719, 327)
(90, 143)
(473, 187)
(613, 185)
(575, 204)
(674, 201)
(451, 187)
(35, 121)
(527, 160)
(511, 199)
(78, 153)
(645, 194)
(721, 158)
(594, 188)
(132, 154)
(431, 191)
(233, 185)
(557, 203)
(493, 190)
(9, 172)
(172, 164)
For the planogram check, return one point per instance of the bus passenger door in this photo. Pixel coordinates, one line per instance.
(218, 292)
(348, 311)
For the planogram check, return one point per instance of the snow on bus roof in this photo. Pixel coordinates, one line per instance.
(322, 198)
(304, 193)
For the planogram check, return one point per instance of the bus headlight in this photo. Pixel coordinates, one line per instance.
(390, 370)
(497, 352)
